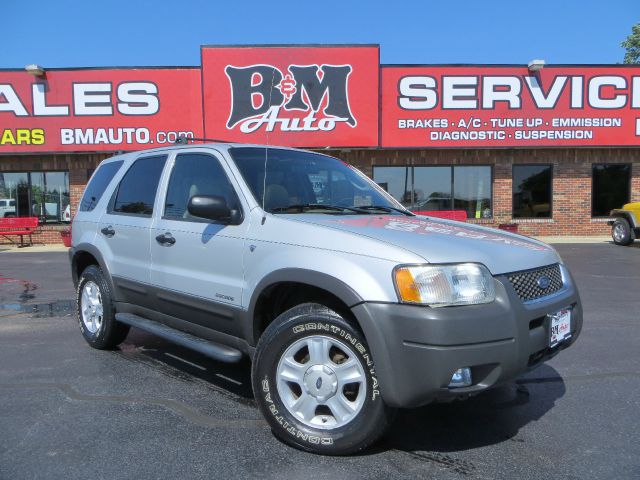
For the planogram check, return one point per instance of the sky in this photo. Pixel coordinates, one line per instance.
(65, 33)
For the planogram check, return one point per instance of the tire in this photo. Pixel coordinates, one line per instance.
(98, 323)
(298, 394)
(621, 232)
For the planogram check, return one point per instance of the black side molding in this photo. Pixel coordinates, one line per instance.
(217, 351)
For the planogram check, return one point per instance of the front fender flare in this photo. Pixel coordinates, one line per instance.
(627, 215)
(312, 278)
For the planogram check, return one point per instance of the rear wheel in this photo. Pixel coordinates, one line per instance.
(621, 232)
(314, 380)
(96, 312)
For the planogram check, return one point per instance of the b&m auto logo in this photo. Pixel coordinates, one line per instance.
(261, 94)
(295, 96)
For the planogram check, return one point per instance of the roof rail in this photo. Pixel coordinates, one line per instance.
(184, 140)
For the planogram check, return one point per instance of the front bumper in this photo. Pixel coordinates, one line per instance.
(417, 349)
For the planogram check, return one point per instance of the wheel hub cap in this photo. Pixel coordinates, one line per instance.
(618, 232)
(321, 382)
(91, 309)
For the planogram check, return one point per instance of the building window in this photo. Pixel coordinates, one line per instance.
(472, 191)
(427, 188)
(532, 191)
(397, 181)
(36, 194)
(611, 188)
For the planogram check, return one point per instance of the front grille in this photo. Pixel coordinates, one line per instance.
(526, 283)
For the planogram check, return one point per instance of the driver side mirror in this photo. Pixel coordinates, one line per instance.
(213, 207)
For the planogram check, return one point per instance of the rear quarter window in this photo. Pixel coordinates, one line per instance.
(98, 184)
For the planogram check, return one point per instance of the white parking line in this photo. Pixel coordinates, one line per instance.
(185, 361)
(229, 379)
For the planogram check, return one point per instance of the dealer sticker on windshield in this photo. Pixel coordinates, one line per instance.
(559, 327)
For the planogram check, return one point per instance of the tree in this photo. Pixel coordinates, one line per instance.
(632, 45)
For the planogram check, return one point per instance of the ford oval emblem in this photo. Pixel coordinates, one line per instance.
(543, 282)
(319, 383)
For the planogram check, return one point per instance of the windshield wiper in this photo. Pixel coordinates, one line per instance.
(384, 208)
(312, 206)
(366, 209)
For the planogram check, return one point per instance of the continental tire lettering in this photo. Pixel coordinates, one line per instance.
(285, 424)
(82, 327)
(367, 359)
(374, 388)
(318, 326)
(350, 339)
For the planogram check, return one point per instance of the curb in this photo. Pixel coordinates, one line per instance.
(34, 249)
(575, 239)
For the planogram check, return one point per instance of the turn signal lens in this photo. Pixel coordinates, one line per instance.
(407, 287)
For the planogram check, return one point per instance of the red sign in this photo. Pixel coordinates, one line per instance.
(314, 96)
(296, 96)
(469, 107)
(98, 110)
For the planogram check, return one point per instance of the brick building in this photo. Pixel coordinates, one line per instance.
(551, 149)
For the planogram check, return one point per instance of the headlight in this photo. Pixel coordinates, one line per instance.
(444, 285)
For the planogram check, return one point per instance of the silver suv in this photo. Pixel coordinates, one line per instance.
(349, 305)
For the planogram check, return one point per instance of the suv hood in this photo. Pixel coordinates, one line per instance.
(444, 241)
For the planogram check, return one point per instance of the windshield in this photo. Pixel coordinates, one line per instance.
(301, 182)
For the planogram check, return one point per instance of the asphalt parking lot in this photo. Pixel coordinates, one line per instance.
(154, 410)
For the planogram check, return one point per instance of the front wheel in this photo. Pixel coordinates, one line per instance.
(621, 232)
(315, 382)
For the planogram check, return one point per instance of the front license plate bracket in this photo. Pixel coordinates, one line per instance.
(559, 327)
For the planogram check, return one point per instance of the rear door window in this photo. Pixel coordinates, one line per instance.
(98, 184)
(137, 190)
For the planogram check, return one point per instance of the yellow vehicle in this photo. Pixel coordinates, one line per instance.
(625, 226)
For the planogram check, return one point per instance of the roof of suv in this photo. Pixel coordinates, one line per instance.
(224, 145)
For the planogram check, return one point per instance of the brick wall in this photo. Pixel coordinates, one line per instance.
(571, 180)
(571, 188)
(78, 166)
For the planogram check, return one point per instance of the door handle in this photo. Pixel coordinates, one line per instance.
(166, 239)
(108, 231)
